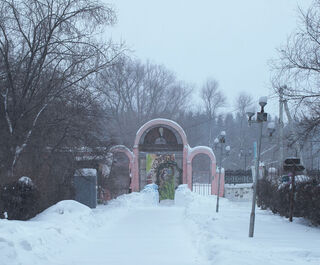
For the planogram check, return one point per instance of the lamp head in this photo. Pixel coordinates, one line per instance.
(263, 101)
(222, 137)
(161, 131)
(250, 113)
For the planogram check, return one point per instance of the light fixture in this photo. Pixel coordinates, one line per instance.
(161, 132)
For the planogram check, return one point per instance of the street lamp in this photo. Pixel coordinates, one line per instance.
(260, 119)
(220, 140)
(245, 153)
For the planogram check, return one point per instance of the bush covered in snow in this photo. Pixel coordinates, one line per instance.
(183, 195)
(19, 199)
(277, 198)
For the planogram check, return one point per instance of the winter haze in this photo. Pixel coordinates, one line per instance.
(231, 41)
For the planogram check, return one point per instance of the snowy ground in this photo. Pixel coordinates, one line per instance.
(134, 229)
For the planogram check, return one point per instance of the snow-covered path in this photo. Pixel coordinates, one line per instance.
(148, 235)
(135, 229)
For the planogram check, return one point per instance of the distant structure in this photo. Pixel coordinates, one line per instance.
(160, 150)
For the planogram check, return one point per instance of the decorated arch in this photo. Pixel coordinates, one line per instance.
(158, 137)
(160, 151)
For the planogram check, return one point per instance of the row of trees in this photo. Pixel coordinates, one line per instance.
(49, 55)
(296, 77)
(63, 87)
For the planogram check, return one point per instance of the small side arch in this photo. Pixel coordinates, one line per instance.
(128, 153)
(196, 151)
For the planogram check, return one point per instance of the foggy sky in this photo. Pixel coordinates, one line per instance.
(231, 41)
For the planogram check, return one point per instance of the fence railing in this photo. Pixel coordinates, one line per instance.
(202, 188)
(238, 179)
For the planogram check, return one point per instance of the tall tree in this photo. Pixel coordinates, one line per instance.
(136, 92)
(242, 103)
(297, 74)
(213, 100)
(48, 51)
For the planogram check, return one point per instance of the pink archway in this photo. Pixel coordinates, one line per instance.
(157, 122)
(125, 150)
(188, 155)
(196, 151)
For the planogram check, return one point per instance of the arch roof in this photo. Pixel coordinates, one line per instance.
(122, 148)
(201, 150)
(159, 122)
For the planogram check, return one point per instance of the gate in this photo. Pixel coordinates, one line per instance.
(202, 188)
(201, 182)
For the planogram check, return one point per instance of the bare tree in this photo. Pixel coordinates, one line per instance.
(297, 75)
(134, 92)
(213, 100)
(298, 64)
(242, 102)
(48, 50)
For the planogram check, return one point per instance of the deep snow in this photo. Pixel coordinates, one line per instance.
(135, 229)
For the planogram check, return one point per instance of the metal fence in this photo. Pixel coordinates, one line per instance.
(202, 188)
(238, 179)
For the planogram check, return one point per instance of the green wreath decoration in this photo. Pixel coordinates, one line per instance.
(167, 187)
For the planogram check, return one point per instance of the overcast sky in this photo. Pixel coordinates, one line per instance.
(231, 41)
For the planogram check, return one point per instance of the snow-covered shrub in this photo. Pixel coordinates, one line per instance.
(307, 200)
(183, 195)
(276, 197)
(151, 194)
(19, 199)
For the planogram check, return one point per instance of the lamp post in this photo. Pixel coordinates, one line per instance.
(260, 119)
(245, 154)
(220, 140)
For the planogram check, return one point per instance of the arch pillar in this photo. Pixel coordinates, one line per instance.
(189, 175)
(135, 184)
(185, 165)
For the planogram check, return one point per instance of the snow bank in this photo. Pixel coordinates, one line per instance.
(183, 195)
(220, 238)
(34, 241)
(223, 237)
(64, 209)
(149, 196)
(42, 238)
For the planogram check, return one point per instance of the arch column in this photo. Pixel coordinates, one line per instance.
(185, 164)
(189, 175)
(135, 184)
